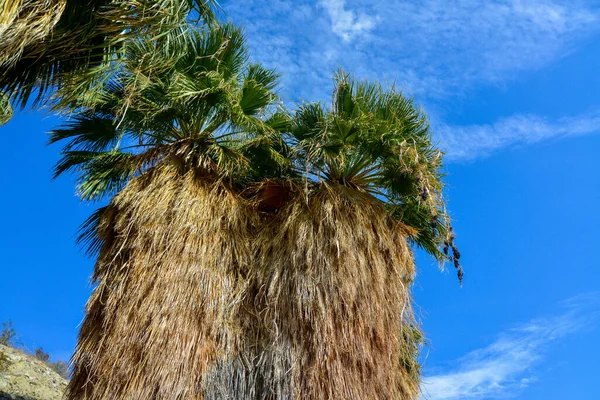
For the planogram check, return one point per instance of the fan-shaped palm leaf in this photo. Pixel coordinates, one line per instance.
(376, 139)
(47, 43)
(195, 100)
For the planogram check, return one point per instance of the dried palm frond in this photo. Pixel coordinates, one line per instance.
(176, 249)
(26, 23)
(333, 276)
(54, 44)
(6, 111)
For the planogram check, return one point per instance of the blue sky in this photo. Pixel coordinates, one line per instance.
(512, 91)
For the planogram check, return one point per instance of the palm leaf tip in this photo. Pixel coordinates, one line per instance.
(6, 110)
(89, 235)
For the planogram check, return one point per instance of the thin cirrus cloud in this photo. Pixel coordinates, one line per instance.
(431, 49)
(468, 143)
(447, 47)
(505, 367)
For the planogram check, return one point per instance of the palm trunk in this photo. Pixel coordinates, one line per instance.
(334, 276)
(170, 275)
(197, 300)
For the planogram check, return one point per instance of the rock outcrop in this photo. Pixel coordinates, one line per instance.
(22, 377)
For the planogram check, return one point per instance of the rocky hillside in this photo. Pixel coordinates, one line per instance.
(22, 377)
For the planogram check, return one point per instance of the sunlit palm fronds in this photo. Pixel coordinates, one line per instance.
(47, 43)
(333, 276)
(26, 23)
(170, 275)
(376, 139)
(194, 102)
(6, 110)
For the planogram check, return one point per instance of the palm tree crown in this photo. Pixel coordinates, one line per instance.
(46, 44)
(191, 100)
(377, 140)
(194, 102)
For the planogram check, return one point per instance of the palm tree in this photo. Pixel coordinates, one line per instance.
(234, 262)
(45, 44)
(174, 136)
(334, 266)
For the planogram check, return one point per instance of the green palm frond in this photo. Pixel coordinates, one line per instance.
(429, 227)
(88, 131)
(100, 173)
(259, 83)
(376, 139)
(88, 235)
(193, 100)
(80, 40)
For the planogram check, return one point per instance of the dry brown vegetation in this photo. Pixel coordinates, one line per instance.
(26, 22)
(202, 296)
(169, 277)
(333, 276)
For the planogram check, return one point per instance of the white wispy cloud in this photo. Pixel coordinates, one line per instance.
(467, 143)
(346, 23)
(432, 48)
(449, 47)
(504, 367)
